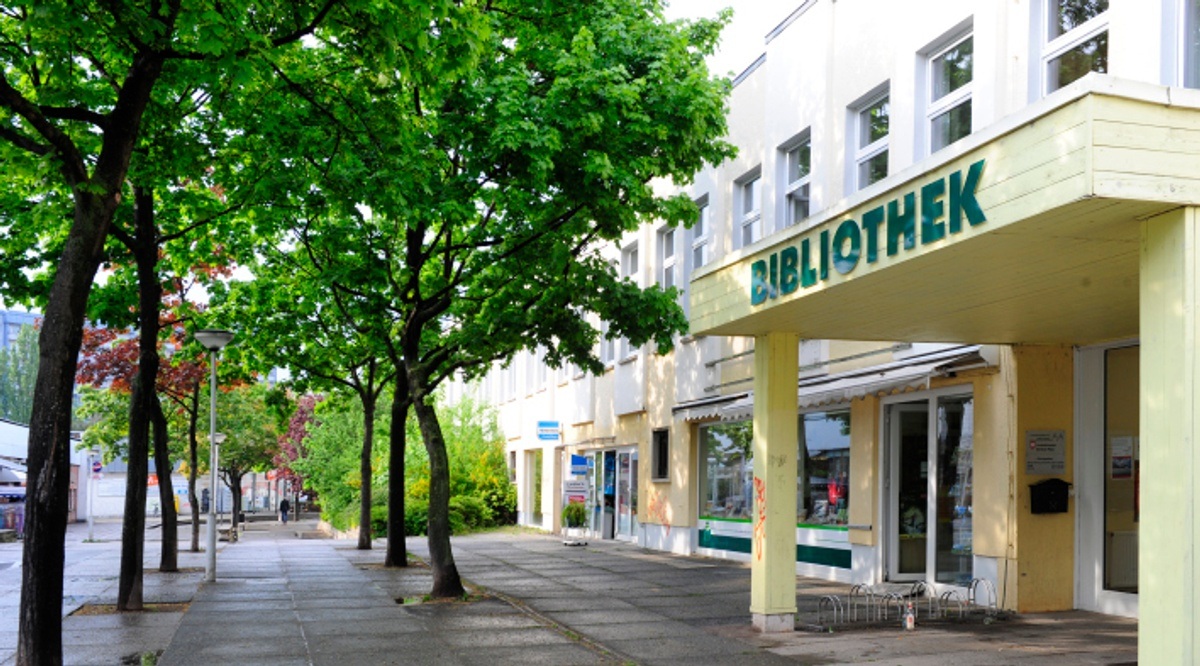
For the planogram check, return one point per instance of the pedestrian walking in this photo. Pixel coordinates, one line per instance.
(284, 507)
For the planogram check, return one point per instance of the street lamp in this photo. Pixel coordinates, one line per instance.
(213, 340)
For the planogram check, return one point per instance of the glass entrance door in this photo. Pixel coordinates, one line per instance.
(930, 460)
(909, 436)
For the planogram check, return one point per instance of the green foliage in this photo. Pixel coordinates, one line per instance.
(18, 372)
(481, 493)
(107, 412)
(416, 516)
(473, 510)
(575, 514)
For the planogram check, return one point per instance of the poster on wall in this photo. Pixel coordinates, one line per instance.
(1121, 458)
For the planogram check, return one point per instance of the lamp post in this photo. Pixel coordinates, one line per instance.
(212, 340)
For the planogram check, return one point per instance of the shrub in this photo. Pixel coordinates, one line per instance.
(575, 514)
(379, 516)
(416, 516)
(474, 511)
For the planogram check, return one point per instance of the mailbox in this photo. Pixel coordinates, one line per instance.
(1049, 496)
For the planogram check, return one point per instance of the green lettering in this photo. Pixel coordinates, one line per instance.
(871, 221)
(845, 260)
(932, 228)
(758, 282)
(789, 275)
(825, 254)
(899, 224)
(962, 198)
(808, 274)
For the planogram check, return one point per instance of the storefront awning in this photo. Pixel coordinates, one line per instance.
(12, 492)
(906, 375)
(703, 409)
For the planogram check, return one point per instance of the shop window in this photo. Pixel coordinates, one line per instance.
(749, 200)
(728, 488)
(823, 487)
(1076, 41)
(870, 149)
(951, 72)
(798, 165)
(823, 469)
(661, 456)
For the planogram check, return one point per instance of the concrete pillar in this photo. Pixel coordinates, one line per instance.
(1169, 529)
(773, 544)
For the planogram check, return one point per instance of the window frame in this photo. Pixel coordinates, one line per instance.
(1189, 58)
(749, 189)
(935, 108)
(865, 153)
(631, 268)
(669, 258)
(701, 239)
(660, 455)
(801, 187)
(1054, 48)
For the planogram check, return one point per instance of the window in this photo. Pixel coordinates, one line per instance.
(823, 469)
(666, 248)
(728, 487)
(1076, 41)
(749, 190)
(661, 455)
(701, 234)
(608, 346)
(871, 146)
(823, 494)
(631, 269)
(798, 160)
(512, 466)
(1191, 44)
(950, 76)
(543, 370)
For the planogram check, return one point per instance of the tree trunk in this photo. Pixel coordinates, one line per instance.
(397, 546)
(364, 470)
(235, 508)
(142, 402)
(446, 582)
(193, 461)
(169, 558)
(49, 464)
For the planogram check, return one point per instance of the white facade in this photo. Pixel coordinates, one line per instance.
(800, 116)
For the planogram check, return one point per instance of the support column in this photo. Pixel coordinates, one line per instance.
(1169, 529)
(773, 544)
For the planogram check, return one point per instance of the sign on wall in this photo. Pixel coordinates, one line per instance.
(547, 431)
(1046, 452)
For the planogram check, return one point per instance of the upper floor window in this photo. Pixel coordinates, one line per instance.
(629, 263)
(871, 147)
(798, 162)
(631, 269)
(749, 190)
(1076, 41)
(1191, 44)
(701, 234)
(951, 72)
(666, 249)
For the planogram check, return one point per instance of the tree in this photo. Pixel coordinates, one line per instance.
(77, 80)
(18, 372)
(492, 187)
(329, 340)
(250, 437)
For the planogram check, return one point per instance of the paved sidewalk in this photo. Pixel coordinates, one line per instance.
(281, 599)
